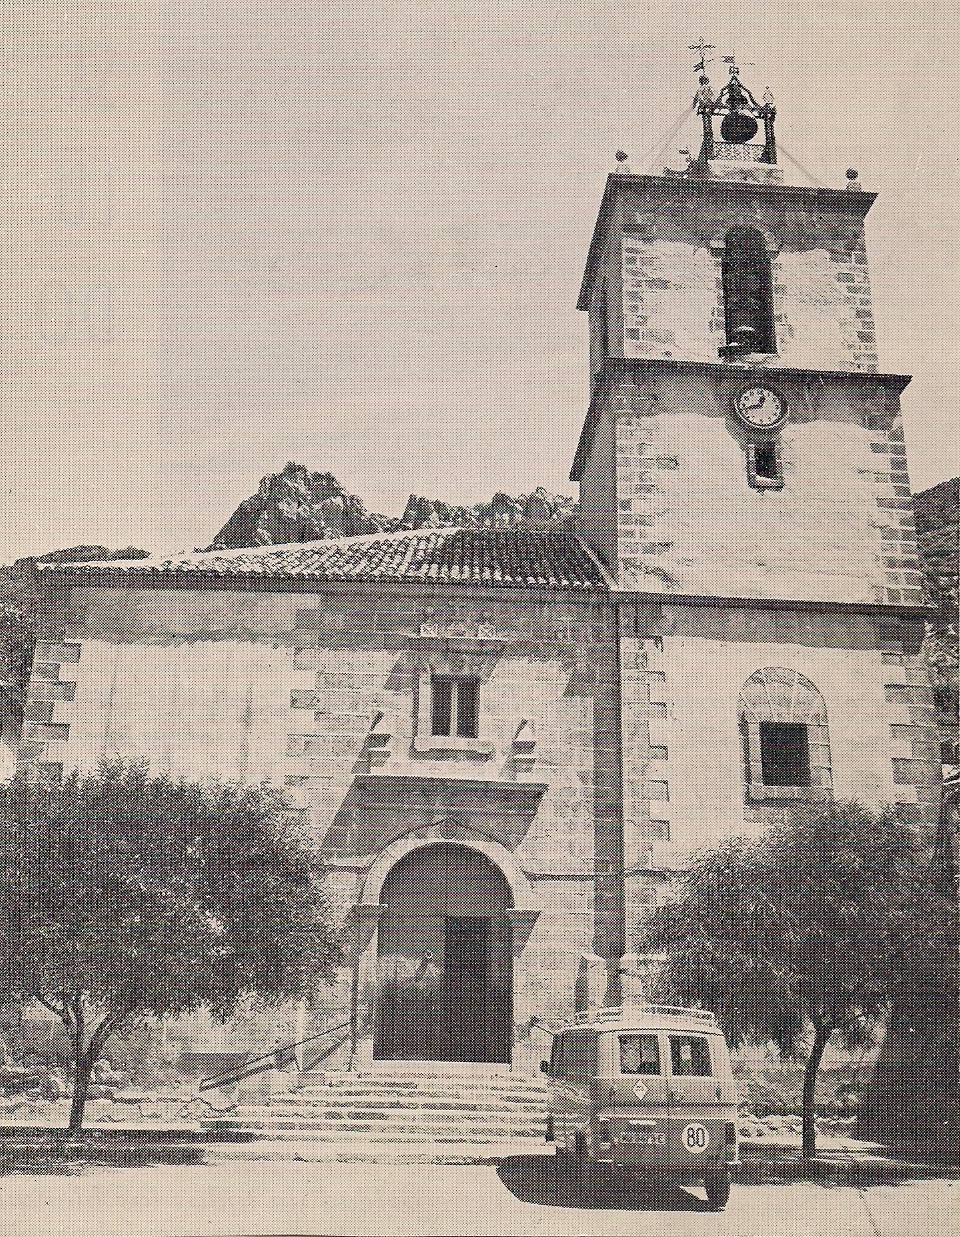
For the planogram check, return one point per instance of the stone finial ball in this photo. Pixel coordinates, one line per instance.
(852, 173)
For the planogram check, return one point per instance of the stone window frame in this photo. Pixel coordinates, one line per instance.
(424, 740)
(778, 694)
(458, 658)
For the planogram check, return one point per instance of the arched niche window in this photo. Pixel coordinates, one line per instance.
(786, 744)
(747, 293)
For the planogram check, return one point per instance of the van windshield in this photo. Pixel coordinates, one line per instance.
(639, 1054)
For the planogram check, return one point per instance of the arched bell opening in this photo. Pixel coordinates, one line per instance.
(747, 294)
(445, 958)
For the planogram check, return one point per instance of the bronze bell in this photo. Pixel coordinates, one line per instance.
(738, 127)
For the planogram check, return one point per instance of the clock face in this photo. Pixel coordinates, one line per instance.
(761, 407)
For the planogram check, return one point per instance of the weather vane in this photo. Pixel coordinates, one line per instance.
(734, 67)
(702, 48)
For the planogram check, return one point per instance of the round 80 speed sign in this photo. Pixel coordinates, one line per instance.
(695, 1137)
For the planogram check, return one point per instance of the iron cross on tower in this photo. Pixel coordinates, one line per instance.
(702, 48)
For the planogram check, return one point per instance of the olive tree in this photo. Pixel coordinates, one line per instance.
(125, 896)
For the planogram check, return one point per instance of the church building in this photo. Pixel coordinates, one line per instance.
(505, 741)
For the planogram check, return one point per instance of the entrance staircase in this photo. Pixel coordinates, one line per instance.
(451, 1114)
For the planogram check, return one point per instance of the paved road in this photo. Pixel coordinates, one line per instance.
(522, 1196)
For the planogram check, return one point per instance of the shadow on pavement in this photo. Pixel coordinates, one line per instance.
(555, 1182)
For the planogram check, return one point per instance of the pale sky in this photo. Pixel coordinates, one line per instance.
(237, 234)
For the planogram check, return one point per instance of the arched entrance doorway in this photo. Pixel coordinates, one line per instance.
(445, 958)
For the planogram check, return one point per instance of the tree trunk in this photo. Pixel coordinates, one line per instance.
(82, 1069)
(821, 1035)
(84, 1059)
(74, 1020)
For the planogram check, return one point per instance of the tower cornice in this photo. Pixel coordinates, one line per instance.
(895, 384)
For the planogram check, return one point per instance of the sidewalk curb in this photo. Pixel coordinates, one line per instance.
(851, 1170)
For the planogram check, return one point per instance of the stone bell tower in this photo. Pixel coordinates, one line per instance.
(740, 441)
(743, 477)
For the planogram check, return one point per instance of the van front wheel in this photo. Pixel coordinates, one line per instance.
(718, 1188)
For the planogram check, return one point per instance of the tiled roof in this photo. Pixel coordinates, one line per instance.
(499, 558)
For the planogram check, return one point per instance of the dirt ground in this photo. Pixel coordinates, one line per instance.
(523, 1195)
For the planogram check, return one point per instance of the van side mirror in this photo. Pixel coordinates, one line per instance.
(544, 1067)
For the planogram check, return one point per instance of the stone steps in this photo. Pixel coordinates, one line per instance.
(354, 1115)
(450, 1094)
(369, 1134)
(406, 1112)
(331, 1151)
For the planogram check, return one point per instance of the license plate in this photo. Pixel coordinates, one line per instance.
(643, 1138)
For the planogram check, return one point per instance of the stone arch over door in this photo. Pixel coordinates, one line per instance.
(444, 957)
(521, 891)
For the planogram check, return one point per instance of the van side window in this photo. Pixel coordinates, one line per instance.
(689, 1056)
(639, 1054)
(581, 1054)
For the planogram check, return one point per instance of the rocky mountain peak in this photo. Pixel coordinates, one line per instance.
(299, 505)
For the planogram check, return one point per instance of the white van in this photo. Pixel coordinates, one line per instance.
(647, 1088)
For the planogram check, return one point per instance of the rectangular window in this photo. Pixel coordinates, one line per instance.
(689, 1056)
(784, 754)
(766, 460)
(764, 471)
(639, 1054)
(455, 706)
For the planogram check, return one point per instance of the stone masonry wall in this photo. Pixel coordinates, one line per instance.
(597, 509)
(661, 271)
(322, 694)
(673, 306)
(840, 529)
(683, 671)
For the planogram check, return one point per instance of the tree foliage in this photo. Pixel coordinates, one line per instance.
(798, 935)
(124, 896)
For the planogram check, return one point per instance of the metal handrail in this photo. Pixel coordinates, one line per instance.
(268, 1060)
